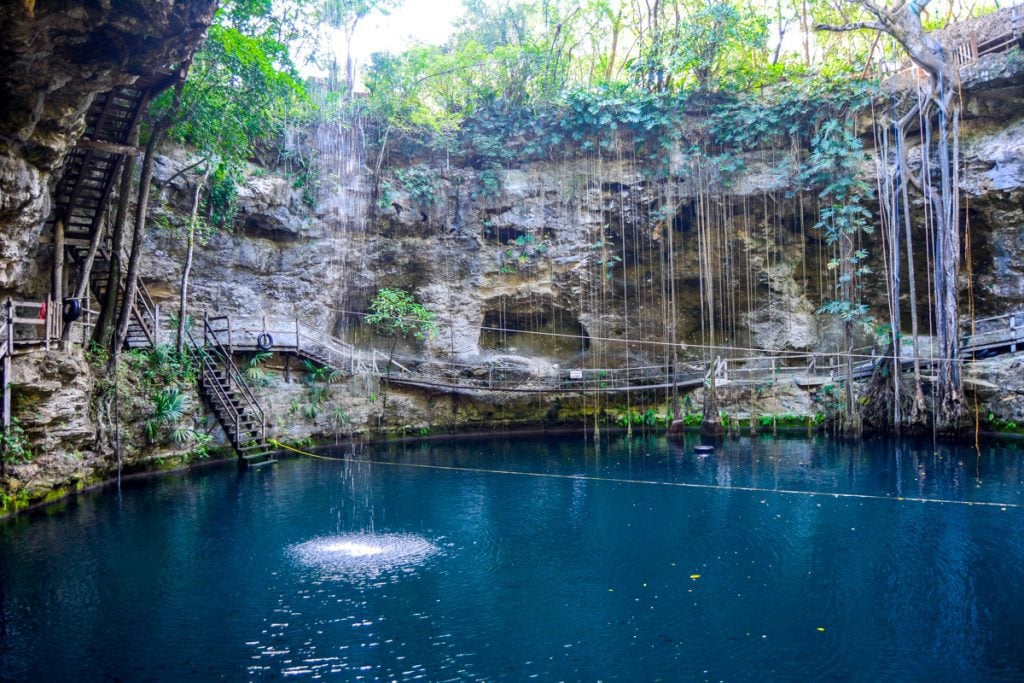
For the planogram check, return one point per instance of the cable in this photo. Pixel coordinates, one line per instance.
(677, 484)
(708, 347)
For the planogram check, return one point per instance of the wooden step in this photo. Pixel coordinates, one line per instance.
(260, 460)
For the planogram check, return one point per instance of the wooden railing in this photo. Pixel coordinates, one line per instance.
(289, 335)
(292, 336)
(995, 332)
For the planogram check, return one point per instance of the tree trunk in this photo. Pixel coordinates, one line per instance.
(57, 276)
(950, 384)
(101, 334)
(141, 207)
(904, 24)
(385, 385)
(187, 268)
(918, 409)
(711, 424)
(138, 235)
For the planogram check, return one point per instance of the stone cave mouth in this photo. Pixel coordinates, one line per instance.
(550, 333)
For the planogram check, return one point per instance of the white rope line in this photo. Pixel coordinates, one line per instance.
(676, 484)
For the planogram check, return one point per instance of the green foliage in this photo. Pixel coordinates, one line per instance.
(254, 372)
(161, 366)
(396, 313)
(834, 166)
(785, 115)
(648, 418)
(1000, 424)
(717, 45)
(317, 380)
(790, 420)
(222, 195)
(241, 89)
(168, 409)
(346, 14)
(15, 447)
(521, 253)
(421, 184)
(693, 419)
(13, 503)
(164, 375)
(317, 375)
(607, 256)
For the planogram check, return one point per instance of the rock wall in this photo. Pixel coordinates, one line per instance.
(575, 250)
(75, 425)
(53, 61)
(55, 57)
(551, 269)
(578, 247)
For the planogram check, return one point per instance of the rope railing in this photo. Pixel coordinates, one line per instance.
(733, 365)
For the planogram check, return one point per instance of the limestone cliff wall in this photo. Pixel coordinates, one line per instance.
(53, 62)
(54, 59)
(553, 267)
(575, 247)
(578, 247)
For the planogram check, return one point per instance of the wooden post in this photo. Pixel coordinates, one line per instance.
(156, 325)
(231, 344)
(288, 368)
(8, 352)
(296, 335)
(57, 276)
(1013, 332)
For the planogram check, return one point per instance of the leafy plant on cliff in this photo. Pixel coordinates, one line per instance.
(317, 380)
(14, 444)
(168, 410)
(395, 314)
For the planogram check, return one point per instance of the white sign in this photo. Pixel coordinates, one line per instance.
(575, 374)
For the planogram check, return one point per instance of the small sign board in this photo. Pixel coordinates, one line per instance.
(575, 374)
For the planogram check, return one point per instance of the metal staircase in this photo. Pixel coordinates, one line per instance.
(232, 401)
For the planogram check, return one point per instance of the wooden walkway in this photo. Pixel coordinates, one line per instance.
(294, 338)
(975, 46)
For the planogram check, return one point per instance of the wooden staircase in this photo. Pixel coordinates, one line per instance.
(93, 167)
(142, 327)
(87, 184)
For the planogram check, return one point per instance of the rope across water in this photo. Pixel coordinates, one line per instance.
(688, 485)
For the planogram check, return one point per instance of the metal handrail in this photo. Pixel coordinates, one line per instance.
(234, 375)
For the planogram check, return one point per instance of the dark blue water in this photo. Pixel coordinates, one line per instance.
(635, 561)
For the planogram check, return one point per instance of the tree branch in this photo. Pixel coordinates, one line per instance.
(852, 26)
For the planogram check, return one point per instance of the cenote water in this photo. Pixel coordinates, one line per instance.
(534, 558)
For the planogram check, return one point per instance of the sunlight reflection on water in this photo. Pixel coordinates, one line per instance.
(362, 556)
